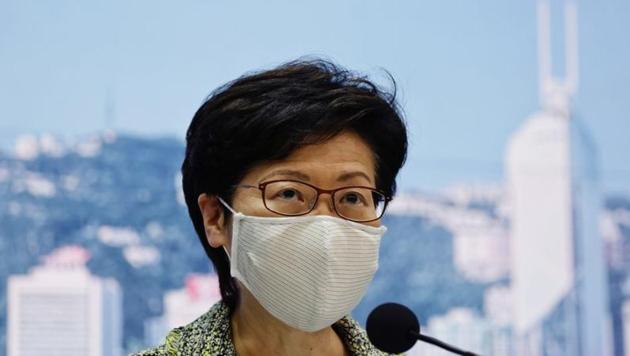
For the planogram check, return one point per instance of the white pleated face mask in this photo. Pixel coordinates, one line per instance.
(307, 271)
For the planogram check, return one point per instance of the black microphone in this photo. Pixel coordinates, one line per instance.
(394, 328)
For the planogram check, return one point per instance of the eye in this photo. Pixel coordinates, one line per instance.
(288, 194)
(352, 198)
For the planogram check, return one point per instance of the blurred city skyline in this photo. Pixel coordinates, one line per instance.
(98, 82)
(466, 72)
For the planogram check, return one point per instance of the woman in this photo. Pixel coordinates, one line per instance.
(286, 176)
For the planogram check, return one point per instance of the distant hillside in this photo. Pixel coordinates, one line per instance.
(121, 187)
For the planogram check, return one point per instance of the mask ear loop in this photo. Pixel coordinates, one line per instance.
(227, 205)
(233, 212)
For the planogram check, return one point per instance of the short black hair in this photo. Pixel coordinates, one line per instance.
(267, 115)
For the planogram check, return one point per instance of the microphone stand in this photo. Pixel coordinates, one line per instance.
(441, 344)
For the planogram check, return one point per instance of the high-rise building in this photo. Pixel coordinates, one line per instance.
(497, 307)
(558, 268)
(59, 308)
(625, 318)
(183, 306)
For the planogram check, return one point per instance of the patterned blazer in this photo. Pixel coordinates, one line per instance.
(211, 335)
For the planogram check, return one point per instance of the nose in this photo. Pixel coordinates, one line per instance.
(324, 206)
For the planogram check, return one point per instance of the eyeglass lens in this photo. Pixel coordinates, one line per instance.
(295, 198)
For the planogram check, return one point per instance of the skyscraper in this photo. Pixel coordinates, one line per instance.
(60, 309)
(183, 306)
(558, 270)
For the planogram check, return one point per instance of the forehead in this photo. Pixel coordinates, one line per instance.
(345, 155)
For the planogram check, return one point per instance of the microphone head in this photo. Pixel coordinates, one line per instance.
(389, 328)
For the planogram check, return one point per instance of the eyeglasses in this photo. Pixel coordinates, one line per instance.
(295, 198)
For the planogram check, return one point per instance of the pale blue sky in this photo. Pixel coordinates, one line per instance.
(466, 69)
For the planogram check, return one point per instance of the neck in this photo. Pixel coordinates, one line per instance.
(256, 332)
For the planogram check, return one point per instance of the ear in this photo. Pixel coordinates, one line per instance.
(213, 220)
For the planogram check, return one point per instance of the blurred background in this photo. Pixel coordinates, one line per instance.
(511, 230)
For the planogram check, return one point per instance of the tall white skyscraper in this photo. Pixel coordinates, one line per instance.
(60, 309)
(558, 269)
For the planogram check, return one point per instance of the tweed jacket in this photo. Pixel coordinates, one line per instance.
(211, 335)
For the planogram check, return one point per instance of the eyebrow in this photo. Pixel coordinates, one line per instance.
(287, 172)
(301, 176)
(350, 175)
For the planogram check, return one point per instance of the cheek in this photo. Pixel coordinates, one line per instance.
(249, 202)
(254, 206)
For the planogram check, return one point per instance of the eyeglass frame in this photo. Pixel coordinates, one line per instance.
(263, 185)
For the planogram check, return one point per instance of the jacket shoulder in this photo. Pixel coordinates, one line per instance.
(210, 334)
